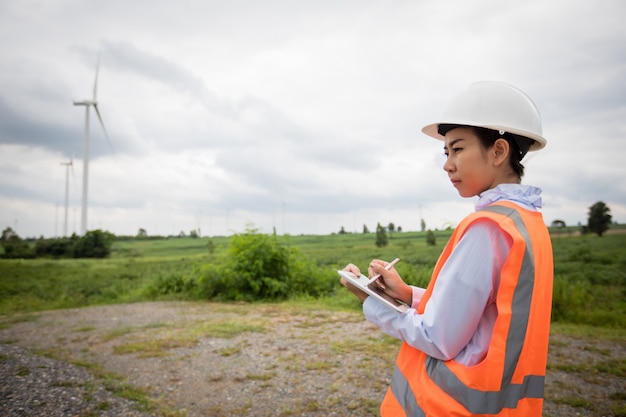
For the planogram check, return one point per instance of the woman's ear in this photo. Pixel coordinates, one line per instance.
(501, 149)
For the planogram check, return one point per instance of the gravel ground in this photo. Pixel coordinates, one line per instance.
(204, 359)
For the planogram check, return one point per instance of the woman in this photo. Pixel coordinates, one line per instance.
(475, 341)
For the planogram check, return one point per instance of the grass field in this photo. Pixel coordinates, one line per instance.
(590, 272)
(589, 296)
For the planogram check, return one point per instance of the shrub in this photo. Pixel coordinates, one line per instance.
(257, 267)
(95, 244)
(430, 238)
(381, 236)
(14, 246)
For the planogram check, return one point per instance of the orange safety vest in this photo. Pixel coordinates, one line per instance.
(509, 381)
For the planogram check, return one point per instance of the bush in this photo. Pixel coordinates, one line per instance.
(13, 246)
(95, 244)
(430, 238)
(257, 267)
(381, 236)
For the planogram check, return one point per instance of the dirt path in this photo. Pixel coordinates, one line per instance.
(204, 359)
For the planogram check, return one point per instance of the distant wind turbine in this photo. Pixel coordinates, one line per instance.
(87, 104)
(68, 165)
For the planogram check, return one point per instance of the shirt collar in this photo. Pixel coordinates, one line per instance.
(525, 195)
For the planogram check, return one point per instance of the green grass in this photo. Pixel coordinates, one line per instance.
(589, 288)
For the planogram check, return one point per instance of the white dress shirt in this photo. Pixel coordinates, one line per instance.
(461, 312)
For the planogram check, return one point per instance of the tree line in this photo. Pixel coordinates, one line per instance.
(95, 244)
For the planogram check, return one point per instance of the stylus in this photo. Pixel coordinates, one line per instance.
(387, 267)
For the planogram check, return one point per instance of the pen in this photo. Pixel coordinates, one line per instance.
(387, 267)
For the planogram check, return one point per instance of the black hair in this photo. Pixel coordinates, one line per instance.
(519, 144)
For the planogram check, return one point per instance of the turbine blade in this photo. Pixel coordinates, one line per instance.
(95, 83)
(95, 106)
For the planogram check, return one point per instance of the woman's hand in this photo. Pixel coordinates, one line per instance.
(355, 270)
(390, 281)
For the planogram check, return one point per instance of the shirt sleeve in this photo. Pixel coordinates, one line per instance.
(466, 284)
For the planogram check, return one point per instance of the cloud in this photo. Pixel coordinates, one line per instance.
(223, 113)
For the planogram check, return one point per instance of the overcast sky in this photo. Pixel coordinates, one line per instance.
(303, 116)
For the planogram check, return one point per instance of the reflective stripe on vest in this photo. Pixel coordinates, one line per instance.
(480, 401)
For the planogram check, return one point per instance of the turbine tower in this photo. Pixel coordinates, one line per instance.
(68, 165)
(87, 104)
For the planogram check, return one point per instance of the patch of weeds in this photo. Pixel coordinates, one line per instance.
(615, 367)
(568, 367)
(311, 405)
(157, 325)
(7, 322)
(94, 368)
(22, 371)
(261, 377)
(117, 385)
(84, 329)
(594, 349)
(618, 396)
(332, 402)
(318, 366)
(572, 401)
(116, 333)
(619, 409)
(286, 411)
(318, 319)
(558, 343)
(216, 411)
(103, 406)
(383, 347)
(225, 329)
(155, 348)
(230, 351)
(79, 339)
(243, 410)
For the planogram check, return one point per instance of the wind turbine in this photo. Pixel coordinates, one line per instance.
(87, 104)
(68, 165)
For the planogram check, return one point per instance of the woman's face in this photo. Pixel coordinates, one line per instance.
(470, 167)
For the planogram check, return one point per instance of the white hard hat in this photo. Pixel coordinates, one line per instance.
(493, 105)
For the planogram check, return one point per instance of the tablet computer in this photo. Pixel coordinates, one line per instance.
(362, 283)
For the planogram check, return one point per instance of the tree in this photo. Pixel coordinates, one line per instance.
(95, 244)
(365, 229)
(381, 236)
(211, 246)
(14, 246)
(342, 231)
(142, 232)
(430, 238)
(423, 225)
(599, 218)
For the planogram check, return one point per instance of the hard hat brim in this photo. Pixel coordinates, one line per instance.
(432, 130)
